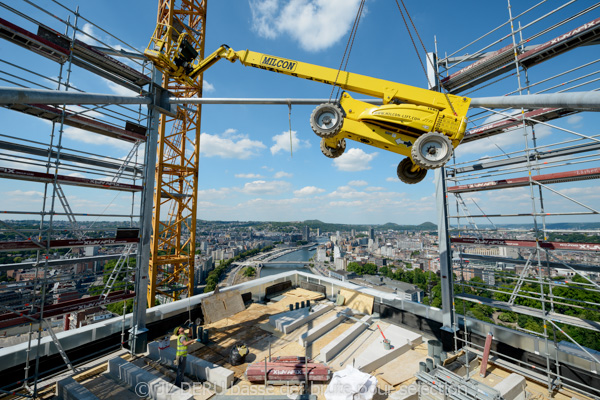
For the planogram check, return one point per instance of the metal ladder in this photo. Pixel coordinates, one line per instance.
(465, 210)
(517, 287)
(116, 271)
(126, 162)
(65, 204)
(59, 346)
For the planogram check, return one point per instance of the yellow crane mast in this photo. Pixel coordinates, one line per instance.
(173, 244)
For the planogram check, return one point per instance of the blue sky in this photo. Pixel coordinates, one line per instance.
(246, 169)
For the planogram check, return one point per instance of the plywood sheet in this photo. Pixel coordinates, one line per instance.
(401, 369)
(222, 305)
(363, 303)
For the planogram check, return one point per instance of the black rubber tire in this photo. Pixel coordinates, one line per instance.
(431, 150)
(326, 120)
(333, 152)
(406, 175)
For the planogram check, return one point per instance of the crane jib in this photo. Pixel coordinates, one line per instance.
(279, 63)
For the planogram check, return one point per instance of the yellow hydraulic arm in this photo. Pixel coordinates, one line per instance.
(388, 91)
(421, 124)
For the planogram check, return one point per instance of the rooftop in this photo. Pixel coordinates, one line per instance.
(270, 330)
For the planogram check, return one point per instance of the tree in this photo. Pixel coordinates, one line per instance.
(249, 272)
(117, 308)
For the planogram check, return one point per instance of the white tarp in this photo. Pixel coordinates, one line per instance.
(351, 384)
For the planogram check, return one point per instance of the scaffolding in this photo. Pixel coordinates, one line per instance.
(513, 265)
(60, 275)
(60, 168)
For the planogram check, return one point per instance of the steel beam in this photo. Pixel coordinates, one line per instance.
(66, 243)
(10, 95)
(445, 251)
(67, 307)
(556, 177)
(204, 100)
(138, 326)
(529, 243)
(507, 260)
(24, 175)
(542, 155)
(58, 263)
(43, 152)
(574, 101)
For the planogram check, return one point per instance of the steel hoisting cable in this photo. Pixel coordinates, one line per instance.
(417, 51)
(348, 49)
(290, 123)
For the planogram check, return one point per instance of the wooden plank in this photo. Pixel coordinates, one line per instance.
(363, 303)
(222, 305)
(401, 369)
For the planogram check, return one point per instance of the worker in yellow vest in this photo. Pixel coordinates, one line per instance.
(181, 354)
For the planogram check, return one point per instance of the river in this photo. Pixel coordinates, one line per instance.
(300, 255)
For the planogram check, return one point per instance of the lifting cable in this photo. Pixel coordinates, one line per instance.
(417, 51)
(348, 49)
(289, 103)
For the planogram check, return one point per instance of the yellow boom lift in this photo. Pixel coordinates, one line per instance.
(421, 124)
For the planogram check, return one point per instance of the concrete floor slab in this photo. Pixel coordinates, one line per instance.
(314, 312)
(348, 355)
(376, 355)
(313, 334)
(338, 344)
(280, 320)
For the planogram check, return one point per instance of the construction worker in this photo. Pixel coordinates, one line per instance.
(181, 353)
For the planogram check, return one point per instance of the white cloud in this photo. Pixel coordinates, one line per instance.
(584, 195)
(358, 183)
(505, 141)
(346, 192)
(354, 160)
(308, 191)
(28, 193)
(356, 203)
(86, 33)
(575, 120)
(391, 179)
(118, 89)
(248, 176)
(229, 145)
(282, 142)
(260, 188)
(83, 136)
(207, 87)
(315, 24)
(283, 174)
(214, 193)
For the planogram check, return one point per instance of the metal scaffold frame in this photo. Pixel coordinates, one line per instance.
(55, 293)
(541, 164)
